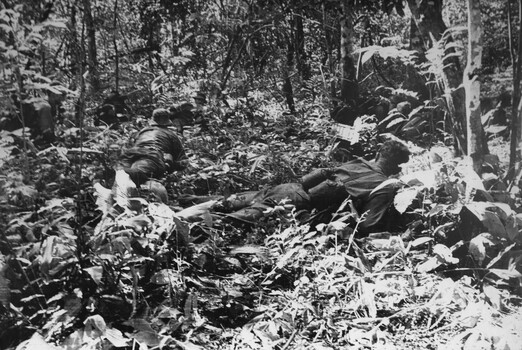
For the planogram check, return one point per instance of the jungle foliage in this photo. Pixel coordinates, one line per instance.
(85, 264)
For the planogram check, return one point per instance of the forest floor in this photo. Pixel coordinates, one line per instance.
(126, 271)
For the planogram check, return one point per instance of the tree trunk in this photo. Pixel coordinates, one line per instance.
(349, 85)
(475, 141)
(329, 55)
(91, 43)
(516, 106)
(75, 50)
(115, 45)
(430, 25)
(288, 90)
(300, 52)
(234, 39)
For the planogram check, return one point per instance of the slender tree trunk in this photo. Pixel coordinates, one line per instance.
(91, 43)
(20, 92)
(516, 108)
(329, 55)
(349, 85)
(472, 86)
(233, 42)
(300, 52)
(288, 90)
(115, 45)
(73, 42)
(81, 243)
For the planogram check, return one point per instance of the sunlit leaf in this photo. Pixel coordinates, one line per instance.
(123, 188)
(444, 254)
(36, 342)
(404, 198)
(116, 337)
(493, 295)
(500, 255)
(104, 198)
(427, 178)
(420, 241)
(138, 222)
(506, 274)
(96, 273)
(95, 326)
(367, 298)
(259, 160)
(47, 254)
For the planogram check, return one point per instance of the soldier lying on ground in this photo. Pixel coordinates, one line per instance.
(326, 189)
(156, 151)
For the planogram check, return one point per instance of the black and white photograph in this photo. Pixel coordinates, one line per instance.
(260, 174)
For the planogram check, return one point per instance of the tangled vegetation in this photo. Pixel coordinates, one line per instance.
(89, 261)
(91, 272)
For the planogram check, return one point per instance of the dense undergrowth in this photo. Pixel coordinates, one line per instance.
(87, 267)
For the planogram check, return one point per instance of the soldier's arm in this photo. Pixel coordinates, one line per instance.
(315, 177)
(378, 208)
